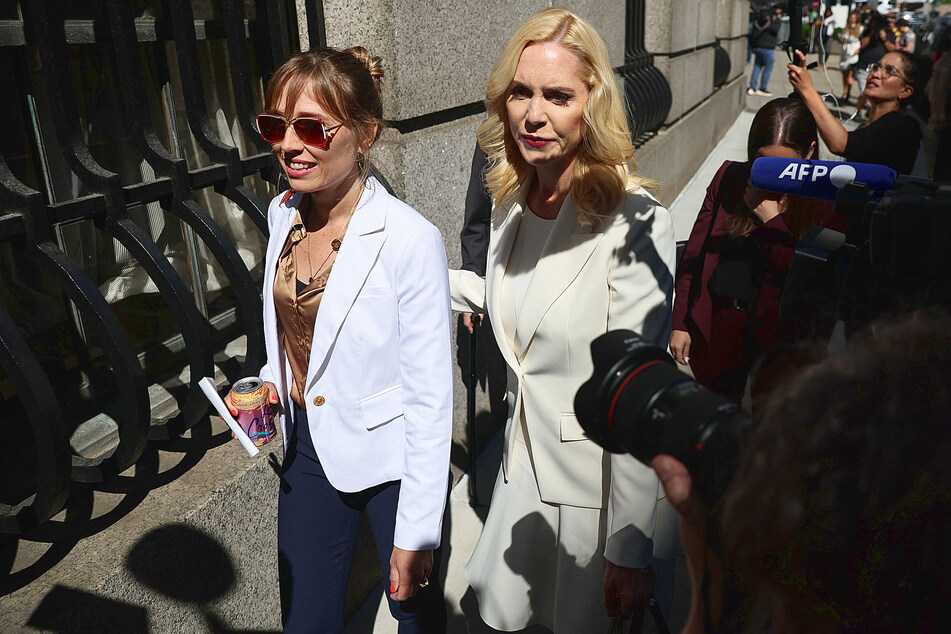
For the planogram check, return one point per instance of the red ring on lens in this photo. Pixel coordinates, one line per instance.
(617, 392)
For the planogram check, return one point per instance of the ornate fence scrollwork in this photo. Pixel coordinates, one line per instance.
(113, 217)
(721, 65)
(171, 184)
(647, 91)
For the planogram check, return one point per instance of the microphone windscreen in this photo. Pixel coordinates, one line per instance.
(818, 179)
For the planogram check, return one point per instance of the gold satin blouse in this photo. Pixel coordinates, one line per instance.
(296, 305)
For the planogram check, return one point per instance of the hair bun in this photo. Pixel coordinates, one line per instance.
(373, 63)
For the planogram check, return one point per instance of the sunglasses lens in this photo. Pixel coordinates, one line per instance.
(271, 128)
(310, 131)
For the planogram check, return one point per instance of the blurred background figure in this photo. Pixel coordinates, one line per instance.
(825, 29)
(938, 131)
(849, 37)
(906, 39)
(763, 42)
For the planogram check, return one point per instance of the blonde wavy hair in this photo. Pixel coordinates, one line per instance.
(605, 168)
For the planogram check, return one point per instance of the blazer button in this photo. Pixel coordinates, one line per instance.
(319, 400)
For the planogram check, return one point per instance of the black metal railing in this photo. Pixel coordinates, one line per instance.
(721, 65)
(647, 91)
(139, 50)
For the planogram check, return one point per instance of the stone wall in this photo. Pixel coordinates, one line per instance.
(683, 36)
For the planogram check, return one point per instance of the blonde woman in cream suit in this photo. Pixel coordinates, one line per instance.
(572, 531)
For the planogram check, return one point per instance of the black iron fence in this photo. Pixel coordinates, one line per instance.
(132, 227)
(646, 89)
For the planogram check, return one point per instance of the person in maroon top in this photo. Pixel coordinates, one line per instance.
(731, 278)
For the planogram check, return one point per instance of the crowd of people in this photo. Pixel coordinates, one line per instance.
(564, 241)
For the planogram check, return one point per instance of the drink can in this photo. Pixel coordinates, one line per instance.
(250, 398)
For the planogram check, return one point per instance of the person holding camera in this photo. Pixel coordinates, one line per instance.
(573, 535)
(840, 518)
(891, 137)
(733, 270)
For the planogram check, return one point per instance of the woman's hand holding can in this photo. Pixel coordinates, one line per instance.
(252, 402)
(271, 398)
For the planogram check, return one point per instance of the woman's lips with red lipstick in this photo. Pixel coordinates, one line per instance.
(297, 169)
(535, 141)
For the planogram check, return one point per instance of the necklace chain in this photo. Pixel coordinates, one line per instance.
(334, 244)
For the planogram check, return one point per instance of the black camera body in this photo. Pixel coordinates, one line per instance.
(638, 402)
(893, 257)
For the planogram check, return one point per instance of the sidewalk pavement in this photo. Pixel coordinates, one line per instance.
(464, 520)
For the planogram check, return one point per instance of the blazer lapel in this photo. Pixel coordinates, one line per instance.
(566, 252)
(358, 253)
(280, 229)
(500, 248)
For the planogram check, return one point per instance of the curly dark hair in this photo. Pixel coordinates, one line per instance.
(843, 512)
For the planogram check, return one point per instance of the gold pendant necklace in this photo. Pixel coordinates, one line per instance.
(334, 244)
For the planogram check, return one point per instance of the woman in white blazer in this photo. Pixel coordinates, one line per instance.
(576, 248)
(357, 331)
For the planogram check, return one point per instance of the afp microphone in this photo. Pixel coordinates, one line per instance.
(818, 179)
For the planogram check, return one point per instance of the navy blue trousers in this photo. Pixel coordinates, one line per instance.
(317, 529)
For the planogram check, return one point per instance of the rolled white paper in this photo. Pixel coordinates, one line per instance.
(211, 391)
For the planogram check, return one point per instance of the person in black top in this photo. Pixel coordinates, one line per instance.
(891, 137)
(763, 41)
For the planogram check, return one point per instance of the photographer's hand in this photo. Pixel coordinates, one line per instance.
(800, 79)
(830, 129)
(692, 517)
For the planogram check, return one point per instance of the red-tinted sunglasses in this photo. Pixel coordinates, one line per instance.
(310, 130)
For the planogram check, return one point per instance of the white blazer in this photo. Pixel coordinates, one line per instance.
(586, 282)
(380, 381)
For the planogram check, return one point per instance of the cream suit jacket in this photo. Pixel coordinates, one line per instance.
(380, 381)
(586, 282)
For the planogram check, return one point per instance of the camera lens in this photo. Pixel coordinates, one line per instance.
(638, 402)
